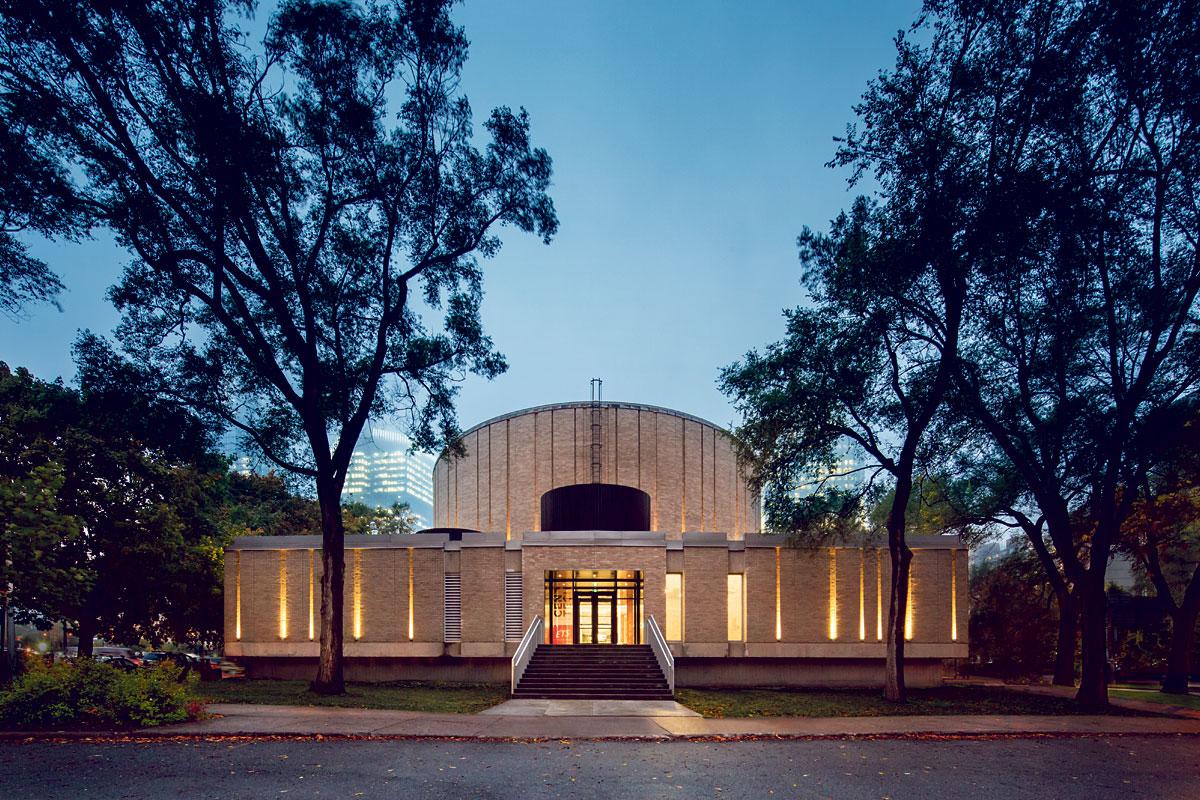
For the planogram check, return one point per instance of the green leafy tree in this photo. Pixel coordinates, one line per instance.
(109, 515)
(305, 213)
(1085, 324)
(1162, 531)
(36, 533)
(264, 505)
(872, 358)
(1013, 619)
(990, 503)
(36, 201)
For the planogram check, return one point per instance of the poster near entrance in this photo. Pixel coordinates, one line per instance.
(593, 607)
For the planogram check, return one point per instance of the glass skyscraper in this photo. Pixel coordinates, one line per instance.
(383, 471)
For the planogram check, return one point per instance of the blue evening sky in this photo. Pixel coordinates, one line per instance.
(689, 141)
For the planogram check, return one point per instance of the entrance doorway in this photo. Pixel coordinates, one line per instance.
(595, 617)
(593, 607)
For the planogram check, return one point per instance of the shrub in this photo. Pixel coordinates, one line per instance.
(91, 694)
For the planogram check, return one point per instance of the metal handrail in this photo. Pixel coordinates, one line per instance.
(662, 652)
(529, 643)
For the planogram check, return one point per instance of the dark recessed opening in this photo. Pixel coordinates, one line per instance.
(595, 507)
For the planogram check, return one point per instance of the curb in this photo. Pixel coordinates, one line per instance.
(146, 737)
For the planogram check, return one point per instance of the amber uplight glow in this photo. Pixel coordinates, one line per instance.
(833, 609)
(862, 595)
(410, 594)
(283, 617)
(908, 607)
(358, 621)
(778, 598)
(953, 596)
(237, 596)
(312, 570)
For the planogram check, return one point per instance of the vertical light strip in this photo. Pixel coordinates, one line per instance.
(908, 610)
(357, 594)
(283, 620)
(312, 586)
(833, 610)
(878, 596)
(237, 595)
(954, 595)
(410, 594)
(778, 598)
(862, 595)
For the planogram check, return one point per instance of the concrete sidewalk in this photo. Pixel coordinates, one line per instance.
(665, 723)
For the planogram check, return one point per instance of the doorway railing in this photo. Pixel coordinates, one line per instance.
(525, 650)
(658, 644)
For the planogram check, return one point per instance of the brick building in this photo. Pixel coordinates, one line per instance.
(591, 524)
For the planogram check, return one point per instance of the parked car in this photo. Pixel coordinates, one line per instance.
(120, 662)
(113, 651)
(230, 670)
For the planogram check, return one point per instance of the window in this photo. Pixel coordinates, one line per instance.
(736, 605)
(674, 631)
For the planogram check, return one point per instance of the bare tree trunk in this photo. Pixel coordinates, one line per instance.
(1183, 638)
(893, 687)
(1179, 657)
(1068, 632)
(1093, 682)
(87, 634)
(901, 557)
(329, 678)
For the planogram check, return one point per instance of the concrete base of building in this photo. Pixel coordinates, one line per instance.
(803, 672)
(380, 670)
(689, 672)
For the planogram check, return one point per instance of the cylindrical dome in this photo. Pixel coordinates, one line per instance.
(687, 466)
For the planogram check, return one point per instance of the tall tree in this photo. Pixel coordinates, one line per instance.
(1086, 322)
(1162, 531)
(121, 537)
(36, 201)
(1012, 619)
(874, 356)
(305, 213)
(862, 365)
(992, 503)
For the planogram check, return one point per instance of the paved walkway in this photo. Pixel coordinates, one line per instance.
(554, 721)
(590, 708)
(1144, 706)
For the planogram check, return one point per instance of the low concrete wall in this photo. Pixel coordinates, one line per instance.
(379, 670)
(689, 672)
(802, 672)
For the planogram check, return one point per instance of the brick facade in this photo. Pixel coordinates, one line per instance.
(812, 583)
(687, 466)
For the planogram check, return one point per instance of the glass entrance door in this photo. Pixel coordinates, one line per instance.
(593, 607)
(595, 618)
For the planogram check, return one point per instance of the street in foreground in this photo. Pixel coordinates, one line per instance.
(1091, 768)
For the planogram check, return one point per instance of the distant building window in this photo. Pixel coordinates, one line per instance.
(736, 606)
(674, 620)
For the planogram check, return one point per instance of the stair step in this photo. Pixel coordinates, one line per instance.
(594, 672)
(593, 696)
(602, 684)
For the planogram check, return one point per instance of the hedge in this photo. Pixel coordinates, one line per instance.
(93, 695)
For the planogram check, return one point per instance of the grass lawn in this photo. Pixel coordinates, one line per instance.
(1155, 696)
(443, 698)
(869, 702)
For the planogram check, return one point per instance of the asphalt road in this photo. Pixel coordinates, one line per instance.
(1086, 768)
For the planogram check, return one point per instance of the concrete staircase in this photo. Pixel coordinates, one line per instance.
(594, 672)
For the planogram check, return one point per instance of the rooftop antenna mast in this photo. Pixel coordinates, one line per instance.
(597, 428)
